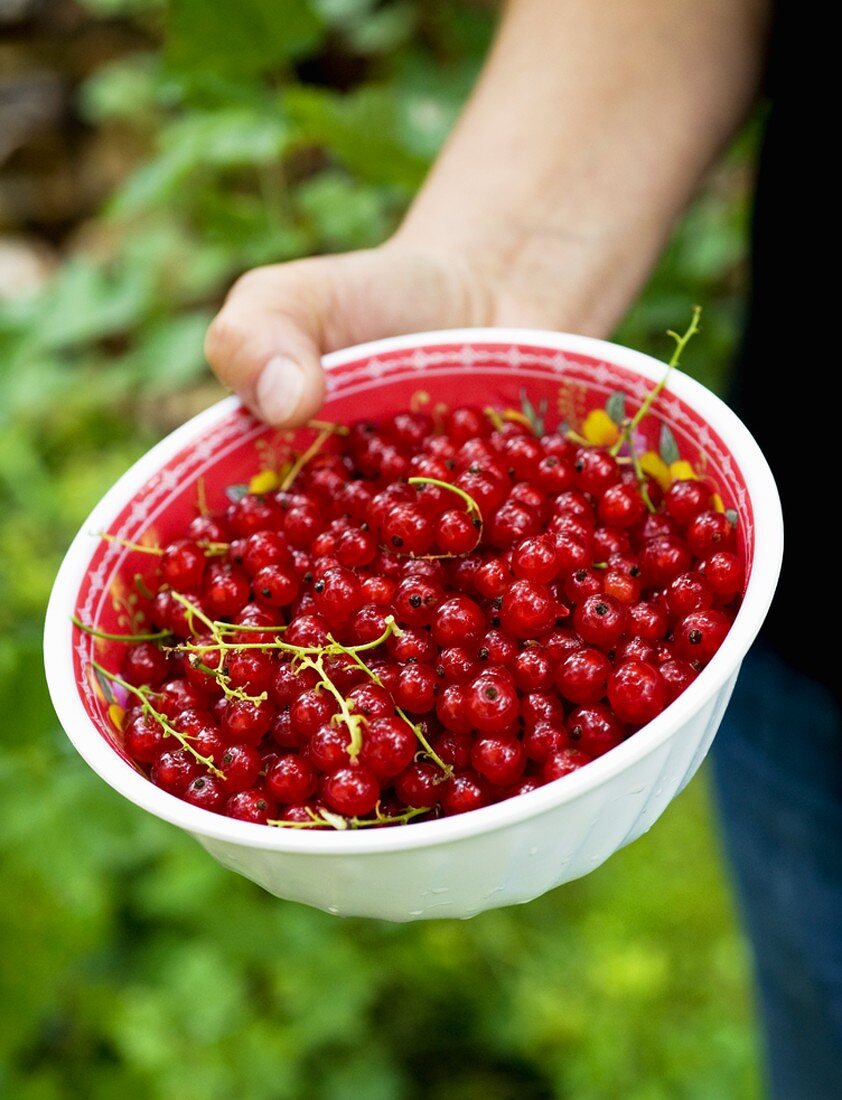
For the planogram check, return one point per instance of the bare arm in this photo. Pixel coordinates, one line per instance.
(585, 137)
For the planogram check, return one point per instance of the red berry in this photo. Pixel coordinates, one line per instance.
(600, 620)
(501, 760)
(528, 609)
(700, 634)
(389, 746)
(583, 675)
(594, 729)
(291, 779)
(636, 692)
(352, 791)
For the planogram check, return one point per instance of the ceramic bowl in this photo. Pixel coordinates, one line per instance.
(506, 853)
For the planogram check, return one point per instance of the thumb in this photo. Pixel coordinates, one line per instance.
(267, 341)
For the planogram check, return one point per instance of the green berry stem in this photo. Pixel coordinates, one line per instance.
(336, 821)
(157, 636)
(305, 456)
(169, 730)
(681, 343)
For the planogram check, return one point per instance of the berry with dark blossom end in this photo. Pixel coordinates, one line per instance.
(492, 703)
(371, 700)
(241, 765)
(600, 620)
(700, 634)
(407, 530)
(709, 532)
(594, 471)
(207, 792)
(250, 805)
(637, 692)
(337, 595)
(594, 729)
(416, 600)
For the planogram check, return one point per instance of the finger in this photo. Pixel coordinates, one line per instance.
(266, 342)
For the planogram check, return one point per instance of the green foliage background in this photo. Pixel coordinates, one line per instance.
(131, 963)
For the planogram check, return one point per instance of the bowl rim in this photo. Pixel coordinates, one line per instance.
(766, 563)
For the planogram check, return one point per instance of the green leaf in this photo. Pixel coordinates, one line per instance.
(732, 516)
(667, 446)
(245, 40)
(364, 130)
(615, 406)
(236, 492)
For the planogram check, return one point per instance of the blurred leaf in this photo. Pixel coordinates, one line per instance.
(363, 130)
(261, 35)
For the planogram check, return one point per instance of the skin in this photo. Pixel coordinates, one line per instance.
(585, 137)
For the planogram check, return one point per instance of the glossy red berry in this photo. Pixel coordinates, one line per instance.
(600, 620)
(528, 609)
(352, 791)
(700, 634)
(636, 692)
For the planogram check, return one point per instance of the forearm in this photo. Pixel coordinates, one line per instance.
(585, 137)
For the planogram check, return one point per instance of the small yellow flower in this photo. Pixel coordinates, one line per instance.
(652, 464)
(117, 716)
(264, 482)
(682, 471)
(600, 429)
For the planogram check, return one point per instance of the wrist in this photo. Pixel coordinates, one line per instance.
(537, 275)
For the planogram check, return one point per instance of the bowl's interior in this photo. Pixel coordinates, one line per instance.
(565, 386)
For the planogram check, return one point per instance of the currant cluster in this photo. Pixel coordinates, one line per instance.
(421, 621)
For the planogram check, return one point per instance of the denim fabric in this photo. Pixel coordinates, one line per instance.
(778, 770)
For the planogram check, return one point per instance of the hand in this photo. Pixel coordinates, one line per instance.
(267, 341)
(585, 136)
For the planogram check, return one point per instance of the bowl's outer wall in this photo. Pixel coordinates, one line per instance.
(488, 870)
(509, 852)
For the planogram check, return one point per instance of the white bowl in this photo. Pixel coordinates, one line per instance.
(509, 852)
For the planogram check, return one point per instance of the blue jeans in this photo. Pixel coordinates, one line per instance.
(778, 770)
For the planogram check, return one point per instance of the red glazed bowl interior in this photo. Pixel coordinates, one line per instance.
(566, 386)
